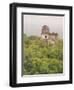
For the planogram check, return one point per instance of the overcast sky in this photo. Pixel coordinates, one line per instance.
(33, 24)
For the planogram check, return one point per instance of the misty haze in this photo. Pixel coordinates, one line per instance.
(33, 24)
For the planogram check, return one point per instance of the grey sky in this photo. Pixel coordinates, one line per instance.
(33, 24)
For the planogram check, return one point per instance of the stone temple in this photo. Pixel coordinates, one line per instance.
(48, 36)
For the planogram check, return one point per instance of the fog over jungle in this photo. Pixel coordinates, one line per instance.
(33, 24)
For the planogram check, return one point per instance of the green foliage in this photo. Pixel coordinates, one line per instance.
(42, 58)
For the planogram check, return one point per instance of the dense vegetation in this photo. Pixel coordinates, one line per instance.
(41, 58)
